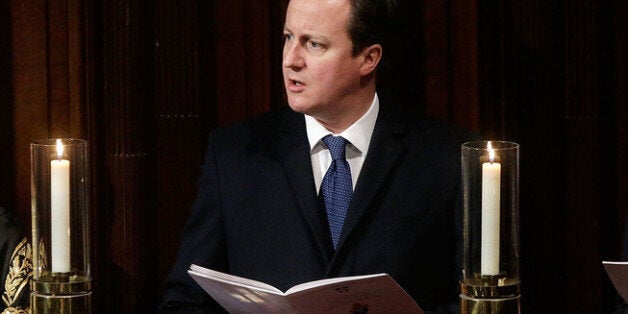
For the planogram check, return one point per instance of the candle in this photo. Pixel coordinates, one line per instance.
(491, 172)
(60, 212)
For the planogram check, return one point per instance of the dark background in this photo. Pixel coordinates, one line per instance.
(145, 81)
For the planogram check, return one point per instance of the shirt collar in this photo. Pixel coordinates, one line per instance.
(358, 134)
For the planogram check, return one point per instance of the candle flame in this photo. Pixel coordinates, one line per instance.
(59, 148)
(491, 151)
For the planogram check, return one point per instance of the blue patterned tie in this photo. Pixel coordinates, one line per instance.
(337, 187)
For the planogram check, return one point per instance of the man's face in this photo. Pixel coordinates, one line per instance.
(321, 76)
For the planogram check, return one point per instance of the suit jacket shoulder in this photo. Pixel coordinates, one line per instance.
(259, 132)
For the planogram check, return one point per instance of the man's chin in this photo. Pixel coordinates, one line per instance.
(299, 107)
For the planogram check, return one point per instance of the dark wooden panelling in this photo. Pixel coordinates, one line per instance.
(435, 68)
(620, 93)
(30, 92)
(464, 91)
(79, 108)
(257, 44)
(128, 188)
(521, 100)
(243, 73)
(436, 41)
(230, 42)
(7, 176)
(588, 142)
(43, 82)
(544, 79)
(58, 69)
(179, 118)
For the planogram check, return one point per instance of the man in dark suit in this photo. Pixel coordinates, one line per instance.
(265, 207)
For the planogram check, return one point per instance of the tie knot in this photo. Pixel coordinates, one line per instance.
(336, 145)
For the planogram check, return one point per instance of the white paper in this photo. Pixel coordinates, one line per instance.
(618, 272)
(377, 293)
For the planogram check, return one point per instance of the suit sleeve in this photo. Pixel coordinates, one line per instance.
(202, 243)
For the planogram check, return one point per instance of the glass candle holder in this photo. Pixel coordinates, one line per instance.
(60, 187)
(490, 276)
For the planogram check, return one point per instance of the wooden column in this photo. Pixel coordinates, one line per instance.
(127, 193)
(184, 108)
(620, 96)
(588, 119)
(243, 52)
(7, 177)
(450, 45)
(30, 93)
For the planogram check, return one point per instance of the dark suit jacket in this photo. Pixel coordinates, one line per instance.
(257, 213)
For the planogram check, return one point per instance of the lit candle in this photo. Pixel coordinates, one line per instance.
(60, 212)
(491, 172)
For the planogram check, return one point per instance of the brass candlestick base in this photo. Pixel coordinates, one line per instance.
(45, 303)
(470, 305)
(61, 293)
(490, 294)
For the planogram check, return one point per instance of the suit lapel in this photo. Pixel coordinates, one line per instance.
(384, 151)
(294, 151)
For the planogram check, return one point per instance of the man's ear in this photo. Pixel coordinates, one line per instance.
(371, 56)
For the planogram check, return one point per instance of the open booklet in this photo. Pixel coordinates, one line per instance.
(618, 272)
(377, 293)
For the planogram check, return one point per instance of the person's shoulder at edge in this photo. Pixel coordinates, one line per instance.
(449, 131)
(267, 120)
(410, 116)
(257, 130)
(432, 128)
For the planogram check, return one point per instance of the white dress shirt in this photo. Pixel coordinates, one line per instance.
(358, 136)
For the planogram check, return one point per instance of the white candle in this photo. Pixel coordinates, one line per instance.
(60, 212)
(491, 172)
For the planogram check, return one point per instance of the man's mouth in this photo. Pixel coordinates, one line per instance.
(295, 86)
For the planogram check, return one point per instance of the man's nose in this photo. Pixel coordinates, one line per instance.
(292, 57)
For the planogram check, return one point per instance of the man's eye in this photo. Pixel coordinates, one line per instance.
(288, 37)
(315, 45)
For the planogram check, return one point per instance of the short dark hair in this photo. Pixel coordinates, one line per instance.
(370, 22)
